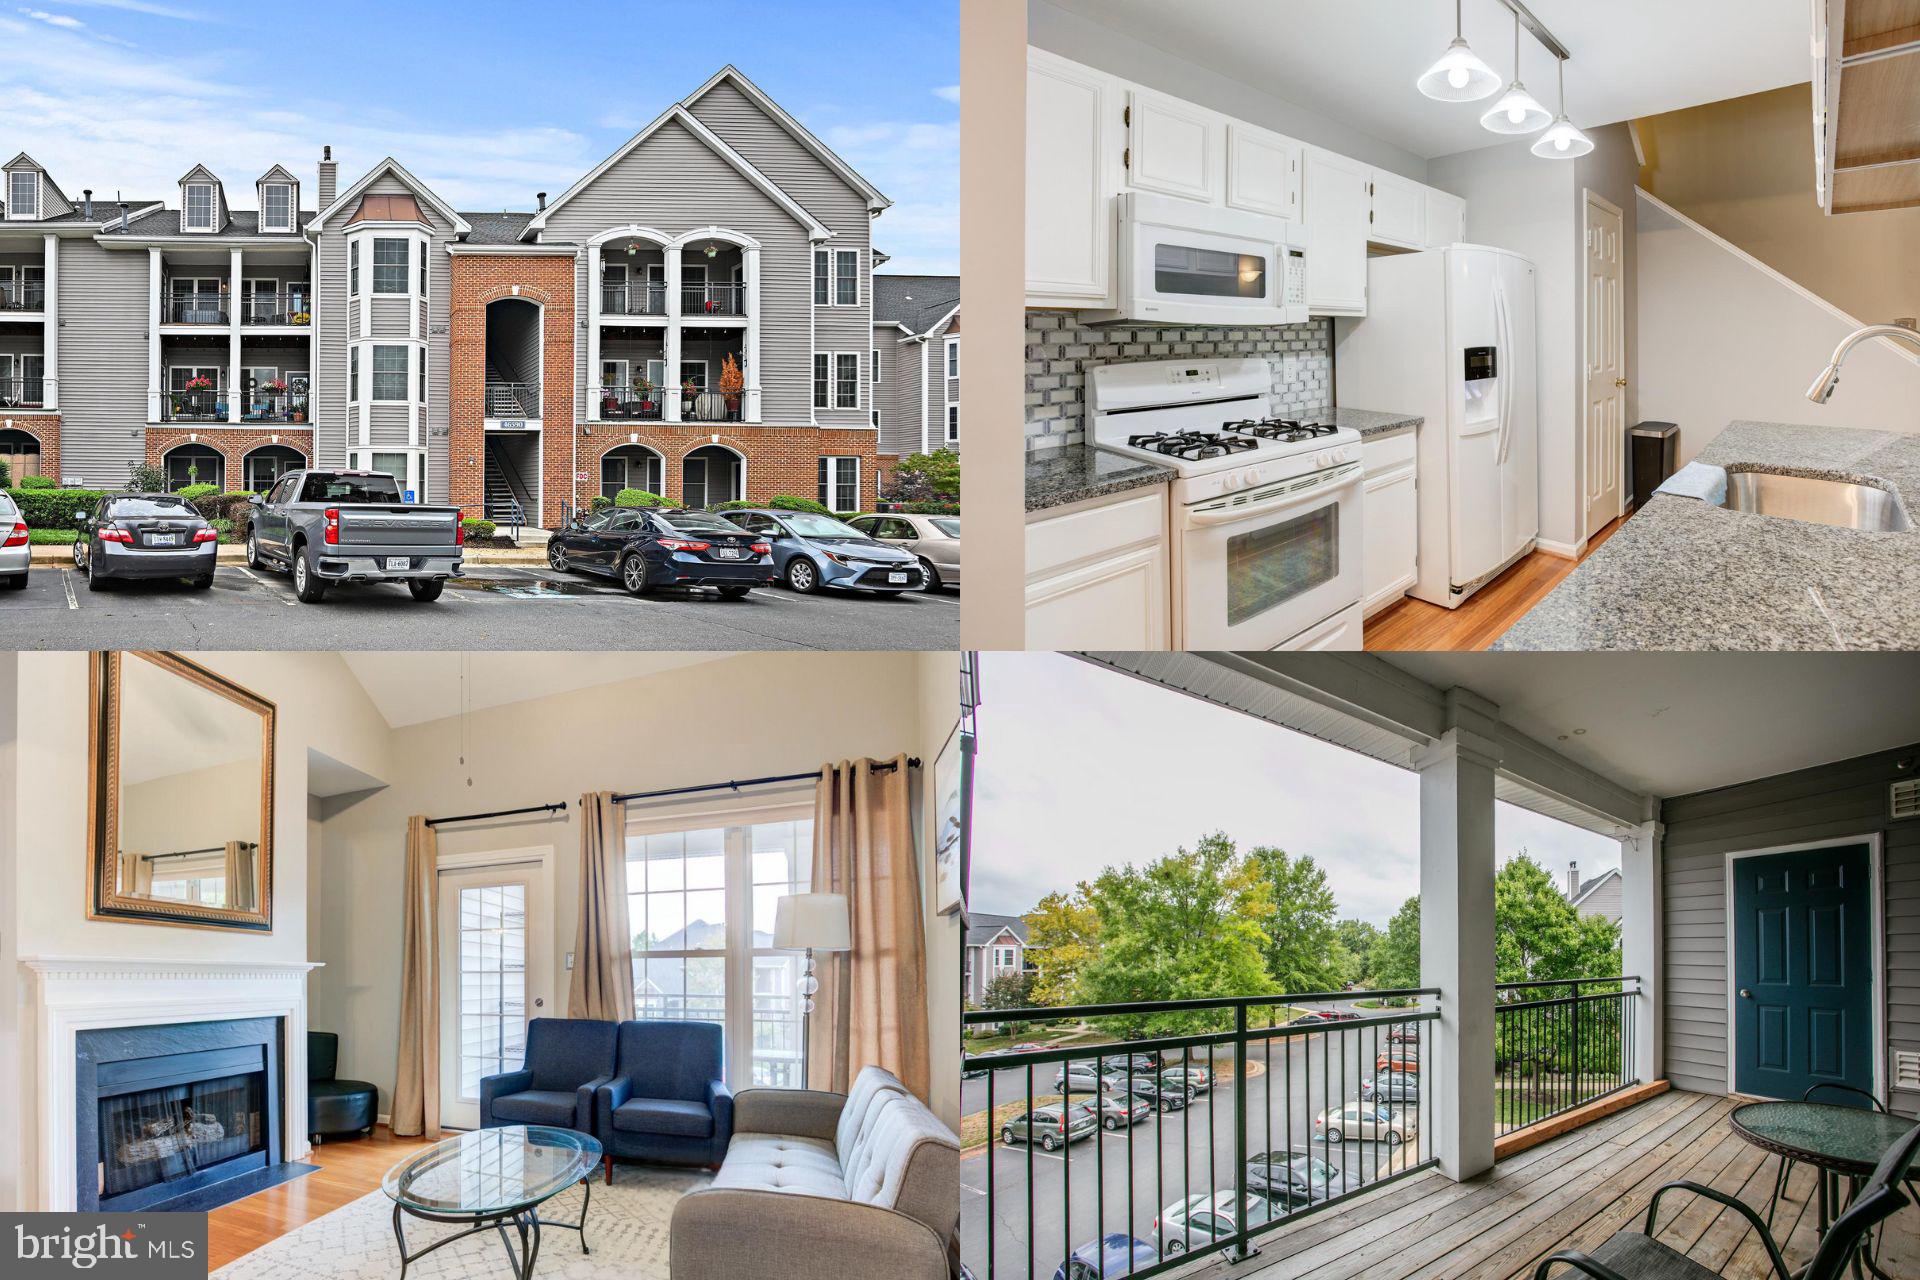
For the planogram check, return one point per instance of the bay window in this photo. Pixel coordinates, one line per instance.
(389, 373)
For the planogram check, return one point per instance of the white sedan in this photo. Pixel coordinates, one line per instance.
(935, 539)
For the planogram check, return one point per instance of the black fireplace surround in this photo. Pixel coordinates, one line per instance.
(164, 1113)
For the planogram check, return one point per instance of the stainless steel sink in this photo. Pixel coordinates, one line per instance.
(1835, 502)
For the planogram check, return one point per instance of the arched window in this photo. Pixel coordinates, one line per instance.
(195, 464)
(632, 466)
(268, 463)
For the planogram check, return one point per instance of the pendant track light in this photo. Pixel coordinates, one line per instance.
(1459, 75)
(1562, 140)
(1517, 111)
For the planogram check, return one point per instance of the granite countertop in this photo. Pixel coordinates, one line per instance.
(1370, 422)
(1074, 473)
(1681, 574)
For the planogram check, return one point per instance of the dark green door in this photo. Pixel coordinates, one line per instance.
(1803, 971)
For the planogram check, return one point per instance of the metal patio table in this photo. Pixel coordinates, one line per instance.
(1840, 1142)
(490, 1180)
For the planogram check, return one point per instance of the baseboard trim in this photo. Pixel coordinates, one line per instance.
(1534, 1135)
(1563, 550)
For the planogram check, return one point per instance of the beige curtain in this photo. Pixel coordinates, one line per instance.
(416, 1087)
(240, 875)
(136, 875)
(871, 1009)
(602, 985)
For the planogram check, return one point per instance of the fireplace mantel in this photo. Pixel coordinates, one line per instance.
(69, 994)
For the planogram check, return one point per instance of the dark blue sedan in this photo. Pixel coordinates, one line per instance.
(659, 547)
(1110, 1256)
(811, 551)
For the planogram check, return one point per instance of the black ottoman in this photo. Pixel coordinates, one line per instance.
(335, 1107)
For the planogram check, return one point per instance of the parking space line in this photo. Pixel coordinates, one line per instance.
(260, 582)
(66, 580)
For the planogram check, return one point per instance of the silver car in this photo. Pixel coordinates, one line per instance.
(935, 539)
(16, 553)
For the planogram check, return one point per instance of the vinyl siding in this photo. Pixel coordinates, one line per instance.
(1604, 901)
(330, 326)
(899, 392)
(1830, 802)
(103, 361)
(674, 183)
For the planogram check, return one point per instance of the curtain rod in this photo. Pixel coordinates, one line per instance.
(913, 762)
(559, 807)
(190, 853)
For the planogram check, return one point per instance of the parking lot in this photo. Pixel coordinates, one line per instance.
(497, 606)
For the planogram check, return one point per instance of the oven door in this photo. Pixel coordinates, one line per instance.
(1257, 569)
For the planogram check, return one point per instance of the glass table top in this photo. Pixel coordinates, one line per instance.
(491, 1171)
(1823, 1132)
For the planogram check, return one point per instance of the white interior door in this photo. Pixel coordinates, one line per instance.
(1604, 426)
(496, 970)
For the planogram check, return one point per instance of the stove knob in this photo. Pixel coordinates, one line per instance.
(1324, 460)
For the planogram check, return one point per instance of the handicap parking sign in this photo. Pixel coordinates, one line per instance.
(407, 496)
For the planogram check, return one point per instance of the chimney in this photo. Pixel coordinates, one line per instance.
(86, 207)
(123, 215)
(329, 177)
(1573, 880)
(541, 196)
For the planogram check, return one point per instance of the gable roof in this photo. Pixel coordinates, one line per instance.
(30, 163)
(983, 928)
(1588, 886)
(200, 171)
(916, 303)
(350, 197)
(276, 174)
(504, 227)
(799, 132)
(680, 115)
(25, 161)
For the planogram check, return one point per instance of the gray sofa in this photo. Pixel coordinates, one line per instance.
(826, 1186)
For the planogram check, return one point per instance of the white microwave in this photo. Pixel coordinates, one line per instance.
(1187, 263)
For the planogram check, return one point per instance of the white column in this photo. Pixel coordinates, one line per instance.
(594, 303)
(156, 376)
(50, 327)
(1456, 935)
(1642, 877)
(750, 280)
(234, 390)
(670, 407)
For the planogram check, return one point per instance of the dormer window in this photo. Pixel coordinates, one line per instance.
(198, 206)
(276, 207)
(23, 194)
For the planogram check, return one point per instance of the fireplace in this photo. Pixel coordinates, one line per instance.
(166, 1112)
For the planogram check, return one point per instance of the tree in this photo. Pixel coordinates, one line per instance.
(927, 477)
(1302, 946)
(1357, 938)
(1186, 926)
(1062, 931)
(1396, 957)
(1538, 934)
(1009, 991)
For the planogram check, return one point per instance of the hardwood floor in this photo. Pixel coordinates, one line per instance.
(1573, 1191)
(1415, 624)
(348, 1170)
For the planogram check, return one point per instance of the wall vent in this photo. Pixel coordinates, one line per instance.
(1906, 1069)
(1903, 799)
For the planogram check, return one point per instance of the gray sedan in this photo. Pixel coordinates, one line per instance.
(15, 553)
(934, 539)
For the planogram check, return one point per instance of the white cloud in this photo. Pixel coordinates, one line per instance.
(54, 19)
(142, 6)
(948, 93)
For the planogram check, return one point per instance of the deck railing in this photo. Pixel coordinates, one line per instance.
(1559, 1045)
(1226, 1119)
(713, 300)
(623, 403)
(194, 406)
(634, 298)
(17, 296)
(281, 307)
(23, 393)
(512, 400)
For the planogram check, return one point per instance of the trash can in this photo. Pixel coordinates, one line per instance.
(1651, 449)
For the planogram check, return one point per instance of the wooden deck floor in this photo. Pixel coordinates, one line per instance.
(1571, 1192)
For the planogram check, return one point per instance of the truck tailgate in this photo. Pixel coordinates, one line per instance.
(399, 525)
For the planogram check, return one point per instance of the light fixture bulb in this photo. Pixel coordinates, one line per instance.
(1563, 139)
(1458, 75)
(1517, 111)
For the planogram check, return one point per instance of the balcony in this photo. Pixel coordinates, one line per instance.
(24, 393)
(713, 300)
(275, 406)
(22, 297)
(620, 403)
(640, 298)
(196, 307)
(193, 406)
(288, 308)
(514, 400)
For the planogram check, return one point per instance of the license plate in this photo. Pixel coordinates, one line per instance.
(899, 579)
(161, 540)
(398, 562)
(728, 553)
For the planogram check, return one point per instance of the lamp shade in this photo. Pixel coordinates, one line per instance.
(1517, 111)
(1562, 141)
(815, 920)
(1458, 76)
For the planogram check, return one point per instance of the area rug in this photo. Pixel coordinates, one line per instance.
(626, 1227)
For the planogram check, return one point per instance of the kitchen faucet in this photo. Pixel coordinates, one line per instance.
(1822, 389)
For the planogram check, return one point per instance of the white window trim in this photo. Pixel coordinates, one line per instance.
(353, 266)
(833, 481)
(874, 375)
(361, 459)
(953, 422)
(39, 196)
(834, 276)
(813, 284)
(374, 372)
(406, 268)
(833, 380)
(952, 366)
(219, 372)
(186, 207)
(625, 378)
(353, 374)
(287, 187)
(703, 384)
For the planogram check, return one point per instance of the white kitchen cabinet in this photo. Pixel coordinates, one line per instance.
(1446, 218)
(1399, 211)
(1097, 574)
(1073, 130)
(1335, 193)
(1173, 147)
(1263, 171)
(1390, 520)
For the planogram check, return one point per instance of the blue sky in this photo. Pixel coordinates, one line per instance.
(1081, 768)
(487, 102)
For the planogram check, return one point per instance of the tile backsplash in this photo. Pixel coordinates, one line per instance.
(1060, 349)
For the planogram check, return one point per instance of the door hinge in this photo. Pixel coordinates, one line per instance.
(1369, 188)
(1126, 115)
(1369, 217)
(1126, 159)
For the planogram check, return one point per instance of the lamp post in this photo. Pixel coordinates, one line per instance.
(811, 922)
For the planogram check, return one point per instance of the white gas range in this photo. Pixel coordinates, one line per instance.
(1265, 511)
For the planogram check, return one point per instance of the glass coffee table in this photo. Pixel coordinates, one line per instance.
(492, 1180)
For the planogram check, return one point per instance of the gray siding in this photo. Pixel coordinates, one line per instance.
(1829, 802)
(901, 384)
(103, 361)
(1604, 901)
(330, 333)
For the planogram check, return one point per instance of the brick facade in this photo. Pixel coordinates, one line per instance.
(44, 427)
(232, 443)
(781, 461)
(479, 279)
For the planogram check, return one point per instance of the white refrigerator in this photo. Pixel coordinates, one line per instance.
(1449, 334)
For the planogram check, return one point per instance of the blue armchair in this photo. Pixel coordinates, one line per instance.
(667, 1101)
(567, 1059)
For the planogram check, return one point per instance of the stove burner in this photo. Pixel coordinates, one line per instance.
(1287, 430)
(1193, 446)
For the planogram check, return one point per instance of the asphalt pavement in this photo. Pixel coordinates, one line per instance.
(491, 607)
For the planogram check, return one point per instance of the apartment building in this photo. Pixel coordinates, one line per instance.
(995, 946)
(695, 317)
(916, 364)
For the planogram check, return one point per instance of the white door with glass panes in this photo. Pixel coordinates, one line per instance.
(496, 970)
(701, 894)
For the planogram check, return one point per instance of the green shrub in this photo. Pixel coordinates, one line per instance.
(639, 498)
(600, 501)
(477, 527)
(195, 492)
(929, 508)
(221, 506)
(6, 475)
(53, 508)
(33, 482)
(786, 503)
(224, 528)
(145, 477)
(52, 537)
(926, 477)
(734, 504)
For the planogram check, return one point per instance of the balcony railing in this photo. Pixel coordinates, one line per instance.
(274, 406)
(1560, 1045)
(709, 406)
(628, 404)
(23, 297)
(636, 298)
(713, 300)
(1256, 1110)
(513, 400)
(194, 406)
(289, 307)
(23, 393)
(193, 308)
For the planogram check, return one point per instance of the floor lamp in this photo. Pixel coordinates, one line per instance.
(810, 922)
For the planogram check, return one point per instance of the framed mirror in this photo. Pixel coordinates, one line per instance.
(180, 824)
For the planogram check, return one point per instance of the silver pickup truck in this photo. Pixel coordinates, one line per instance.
(327, 527)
